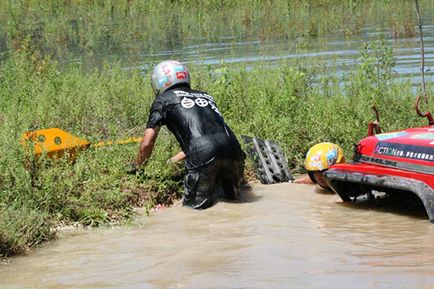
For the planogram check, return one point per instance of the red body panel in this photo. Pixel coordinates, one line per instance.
(418, 138)
(407, 153)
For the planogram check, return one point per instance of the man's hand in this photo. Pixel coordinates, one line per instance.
(132, 168)
(177, 158)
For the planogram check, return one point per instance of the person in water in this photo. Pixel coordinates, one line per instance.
(318, 159)
(214, 160)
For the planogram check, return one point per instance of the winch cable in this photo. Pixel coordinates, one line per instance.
(422, 54)
(426, 114)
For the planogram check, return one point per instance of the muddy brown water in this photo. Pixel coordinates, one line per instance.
(282, 236)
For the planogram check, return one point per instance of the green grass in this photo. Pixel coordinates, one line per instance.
(293, 104)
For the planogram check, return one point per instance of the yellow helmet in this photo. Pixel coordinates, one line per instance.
(321, 156)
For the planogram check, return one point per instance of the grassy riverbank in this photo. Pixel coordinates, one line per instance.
(293, 104)
(83, 28)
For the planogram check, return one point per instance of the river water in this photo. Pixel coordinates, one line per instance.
(282, 236)
(338, 53)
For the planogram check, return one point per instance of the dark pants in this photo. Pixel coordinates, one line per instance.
(219, 179)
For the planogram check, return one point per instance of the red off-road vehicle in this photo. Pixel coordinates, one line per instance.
(399, 164)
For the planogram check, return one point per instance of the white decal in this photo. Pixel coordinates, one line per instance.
(386, 136)
(214, 107)
(202, 102)
(180, 93)
(426, 136)
(187, 103)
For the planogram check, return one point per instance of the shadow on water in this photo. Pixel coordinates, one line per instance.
(322, 191)
(410, 206)
(246, 196)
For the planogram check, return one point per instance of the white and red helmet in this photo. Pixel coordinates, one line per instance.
(167, 74)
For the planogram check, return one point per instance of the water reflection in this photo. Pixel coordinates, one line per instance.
(339, 54)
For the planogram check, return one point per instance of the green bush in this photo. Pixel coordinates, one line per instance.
(22, 227)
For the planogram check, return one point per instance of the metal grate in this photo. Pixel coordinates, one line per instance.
(269, 161)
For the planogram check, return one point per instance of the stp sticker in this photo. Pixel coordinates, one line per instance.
(181, 75)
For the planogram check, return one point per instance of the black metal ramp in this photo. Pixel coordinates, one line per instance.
(269, 161)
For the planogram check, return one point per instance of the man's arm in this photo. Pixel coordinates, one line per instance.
(147, 145)
(176, 158)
